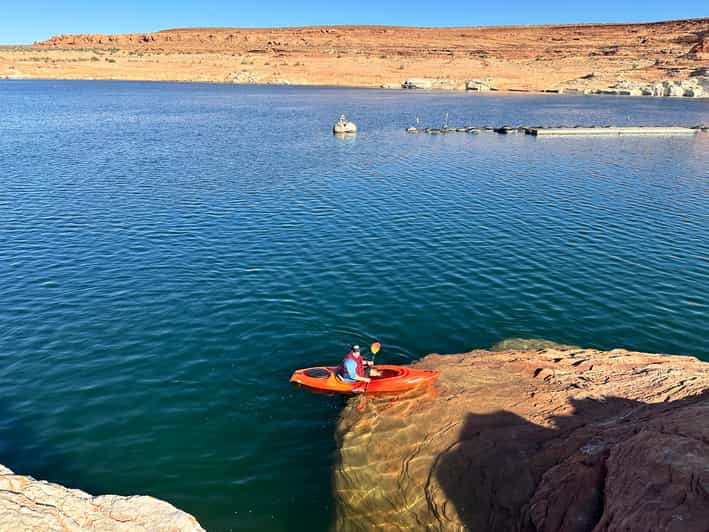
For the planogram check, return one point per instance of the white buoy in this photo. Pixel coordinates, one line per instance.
(344, 126)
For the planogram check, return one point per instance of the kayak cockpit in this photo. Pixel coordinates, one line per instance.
(387, 373)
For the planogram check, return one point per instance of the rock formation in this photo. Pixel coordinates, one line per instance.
(553, 439)
(694, 87)
(417, 83)
(29, 505)
(701, 49)
(480, 85)
(529, 58)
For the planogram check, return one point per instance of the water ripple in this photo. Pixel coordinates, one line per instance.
(169, 253)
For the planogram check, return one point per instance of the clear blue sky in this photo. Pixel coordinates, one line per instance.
(26, 21)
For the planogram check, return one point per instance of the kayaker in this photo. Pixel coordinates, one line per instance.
(352, 367)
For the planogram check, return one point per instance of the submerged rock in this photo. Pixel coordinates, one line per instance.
(27, 504)
(562, 439)
(526, 344)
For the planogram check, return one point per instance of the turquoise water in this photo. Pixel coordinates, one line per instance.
(170, 253)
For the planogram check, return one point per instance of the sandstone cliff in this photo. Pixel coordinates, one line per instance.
(530, 58)
(556, 439)
(29, 505)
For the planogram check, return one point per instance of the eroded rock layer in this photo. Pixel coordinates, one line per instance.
(573, 57)
(29, 505)
(555, 439)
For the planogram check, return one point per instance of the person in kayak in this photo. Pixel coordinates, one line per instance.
(352, 367)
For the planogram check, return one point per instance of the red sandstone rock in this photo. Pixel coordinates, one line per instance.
(557, 439)
(551, 58)
(701, 49)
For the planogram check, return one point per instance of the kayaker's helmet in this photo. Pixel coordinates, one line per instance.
(355, 349)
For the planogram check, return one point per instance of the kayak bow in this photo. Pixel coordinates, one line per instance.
(391, 379)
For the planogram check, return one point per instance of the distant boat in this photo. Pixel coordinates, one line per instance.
(344, 126)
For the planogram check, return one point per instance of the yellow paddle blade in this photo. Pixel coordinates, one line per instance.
(376, 346)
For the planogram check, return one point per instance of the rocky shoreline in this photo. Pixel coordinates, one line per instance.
(33, 505)
(663, 59)
(697, 86)
(556, 438)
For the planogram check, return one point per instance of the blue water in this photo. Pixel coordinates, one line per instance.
(169, 253)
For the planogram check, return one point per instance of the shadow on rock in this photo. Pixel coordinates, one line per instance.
(612, 464)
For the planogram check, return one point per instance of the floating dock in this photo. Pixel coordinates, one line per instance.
(437, 130)
(567, 131)
(611, 131)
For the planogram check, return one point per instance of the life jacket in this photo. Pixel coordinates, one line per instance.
(342, 371)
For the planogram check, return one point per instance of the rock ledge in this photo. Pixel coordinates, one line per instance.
(33, 505)
(555, 439)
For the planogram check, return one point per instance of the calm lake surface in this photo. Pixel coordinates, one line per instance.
(169, 253)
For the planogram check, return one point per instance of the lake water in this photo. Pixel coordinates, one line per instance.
(169, 253)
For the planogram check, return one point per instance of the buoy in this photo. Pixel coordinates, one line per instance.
(344, 126)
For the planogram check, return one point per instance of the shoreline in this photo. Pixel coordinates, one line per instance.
(497, 92)
(658, 59)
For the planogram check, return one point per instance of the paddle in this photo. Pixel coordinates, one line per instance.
(374, 349)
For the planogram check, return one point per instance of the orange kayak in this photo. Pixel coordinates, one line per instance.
(392, 379)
